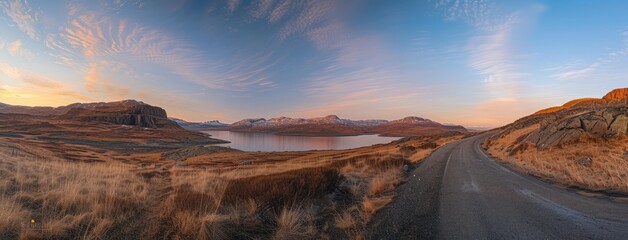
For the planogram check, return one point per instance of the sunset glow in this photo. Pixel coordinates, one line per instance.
(475, 63)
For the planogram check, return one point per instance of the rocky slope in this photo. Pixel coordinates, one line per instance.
(332, 125)
(583, 143)
(600, 118)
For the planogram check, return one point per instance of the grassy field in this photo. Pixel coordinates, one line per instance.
(315, 194)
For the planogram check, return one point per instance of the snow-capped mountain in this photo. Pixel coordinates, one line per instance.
(286, 121)
(200, 125)
(329, 126)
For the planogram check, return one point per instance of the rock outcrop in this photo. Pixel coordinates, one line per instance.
(598, 118)
(609, 122)
(141, 115)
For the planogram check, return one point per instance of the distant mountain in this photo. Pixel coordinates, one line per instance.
(200, 125)
(331, 125)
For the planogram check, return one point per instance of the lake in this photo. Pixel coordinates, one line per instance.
(269, 142)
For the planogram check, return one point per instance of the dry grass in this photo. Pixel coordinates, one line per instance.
(281, 196)
(67, 199)
(608, 172)
(283, 188)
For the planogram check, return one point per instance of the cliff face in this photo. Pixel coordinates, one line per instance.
(141, 115)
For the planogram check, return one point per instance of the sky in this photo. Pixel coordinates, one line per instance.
(478, 63)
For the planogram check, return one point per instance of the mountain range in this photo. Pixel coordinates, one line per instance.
(330, 125)
(132, 112)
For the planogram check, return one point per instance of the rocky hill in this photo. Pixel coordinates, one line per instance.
(583, 142)
(598, 117)
(127, 112)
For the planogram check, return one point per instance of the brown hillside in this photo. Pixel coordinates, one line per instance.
(581, 144)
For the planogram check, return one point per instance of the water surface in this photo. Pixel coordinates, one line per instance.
(270, 142)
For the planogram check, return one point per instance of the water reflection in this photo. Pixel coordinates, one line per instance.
(271, 142)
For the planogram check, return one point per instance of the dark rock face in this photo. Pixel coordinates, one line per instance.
(138, 115)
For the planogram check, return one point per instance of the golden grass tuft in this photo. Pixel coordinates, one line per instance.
(294, 223)
(345, 221)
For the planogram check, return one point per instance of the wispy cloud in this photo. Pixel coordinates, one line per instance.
(34, 80)
(91, 37)
(97, 81)
(22, 15)
(311, 13)
(478, 13)
(232, 4)
(36, 86)
(577, 73)
(15, 49)
(279, 11)
(262, 8)
(492, 53)
(577, 70)
(492, 56)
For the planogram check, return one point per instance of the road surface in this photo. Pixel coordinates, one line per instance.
(460, 193)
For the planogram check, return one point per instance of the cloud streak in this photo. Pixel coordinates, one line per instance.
(493, 54)
(577, 73)
(15, 49)
(22, 15)
(90, 37)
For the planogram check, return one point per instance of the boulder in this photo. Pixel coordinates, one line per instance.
(608, 116)
(619, 125)
(585, 161)
(594, 124)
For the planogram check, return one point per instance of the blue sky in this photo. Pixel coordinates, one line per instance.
(470, 62)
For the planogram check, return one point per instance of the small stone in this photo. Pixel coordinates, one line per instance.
(406, 168)
(585, 161)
